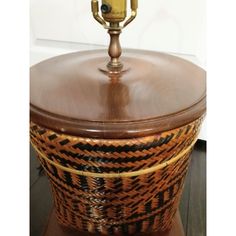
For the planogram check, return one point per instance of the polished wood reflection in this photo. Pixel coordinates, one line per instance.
(156, 92)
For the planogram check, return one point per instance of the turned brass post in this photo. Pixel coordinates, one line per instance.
(114, 12)
(114, 50)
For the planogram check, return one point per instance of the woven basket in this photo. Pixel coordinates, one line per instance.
(116, 186)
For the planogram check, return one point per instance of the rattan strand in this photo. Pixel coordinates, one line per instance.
(117, 175)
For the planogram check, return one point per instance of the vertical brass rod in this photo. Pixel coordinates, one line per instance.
(114, 50)
(114, 12)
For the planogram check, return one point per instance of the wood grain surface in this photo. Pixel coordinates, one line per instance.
(72, 94)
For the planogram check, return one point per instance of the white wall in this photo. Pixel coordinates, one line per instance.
(174, 26)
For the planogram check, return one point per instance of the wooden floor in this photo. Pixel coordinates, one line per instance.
(192, 207)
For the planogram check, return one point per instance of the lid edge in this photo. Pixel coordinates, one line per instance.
(124, 129)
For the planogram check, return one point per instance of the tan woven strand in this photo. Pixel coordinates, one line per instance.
(118, 175)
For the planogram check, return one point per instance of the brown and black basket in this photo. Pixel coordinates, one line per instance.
(116, 186)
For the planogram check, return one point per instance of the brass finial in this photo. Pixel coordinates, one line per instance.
(113, 13)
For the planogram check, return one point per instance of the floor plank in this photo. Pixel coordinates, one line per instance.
(197, 200)
(34, 164)
(40, 206)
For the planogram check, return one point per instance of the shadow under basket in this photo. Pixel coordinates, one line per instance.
(116, 186)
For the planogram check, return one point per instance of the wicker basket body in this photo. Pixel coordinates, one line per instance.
(116, 186)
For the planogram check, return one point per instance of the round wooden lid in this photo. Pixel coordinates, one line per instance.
(73, 94)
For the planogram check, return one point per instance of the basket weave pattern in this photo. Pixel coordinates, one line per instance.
(99, 185)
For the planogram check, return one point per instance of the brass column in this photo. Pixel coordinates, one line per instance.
(113, 14)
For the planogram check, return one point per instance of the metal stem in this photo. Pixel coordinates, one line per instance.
(114, 50)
